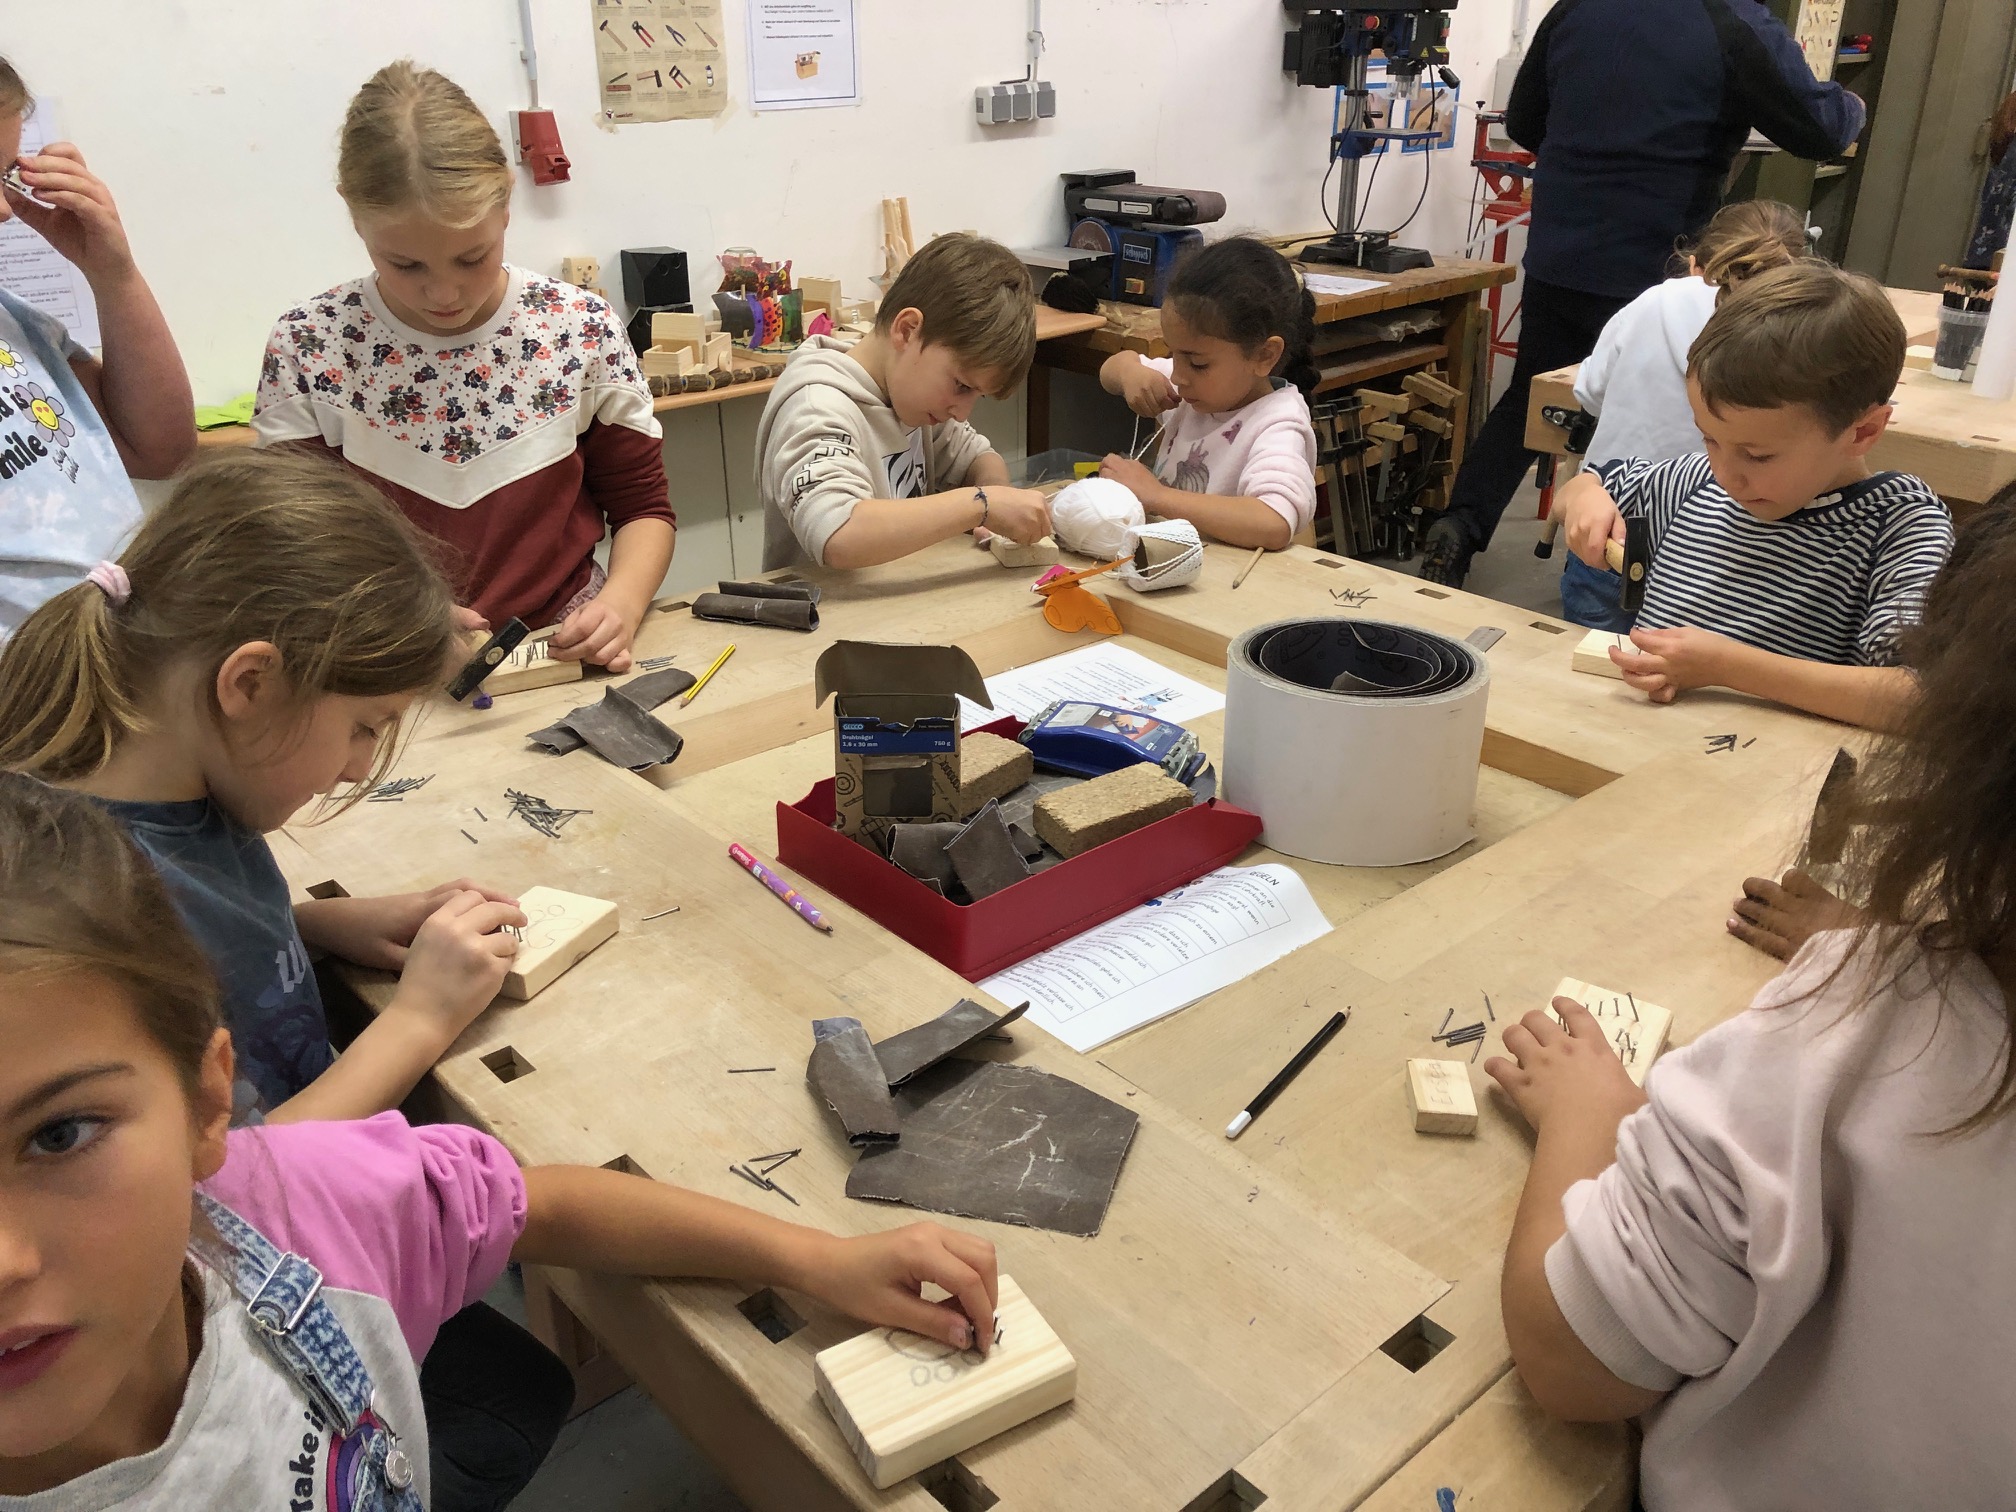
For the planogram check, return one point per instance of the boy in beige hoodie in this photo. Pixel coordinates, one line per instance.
(864, 453)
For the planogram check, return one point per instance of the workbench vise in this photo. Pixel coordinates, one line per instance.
(1142, 228)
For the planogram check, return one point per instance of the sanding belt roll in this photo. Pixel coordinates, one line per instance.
(1356, 741)
(788, 606)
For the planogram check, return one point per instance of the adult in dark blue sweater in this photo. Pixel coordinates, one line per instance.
(1636, 109)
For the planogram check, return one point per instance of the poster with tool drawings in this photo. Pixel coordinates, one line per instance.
(660, 60)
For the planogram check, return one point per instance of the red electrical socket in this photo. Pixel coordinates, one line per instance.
(539, 146)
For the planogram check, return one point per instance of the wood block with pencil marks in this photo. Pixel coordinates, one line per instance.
(560, 928)
(1443, 1100)
(904, 1402)
(1636, 1029)
(531, 665)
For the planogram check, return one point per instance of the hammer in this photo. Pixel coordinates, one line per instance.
(1631, 559)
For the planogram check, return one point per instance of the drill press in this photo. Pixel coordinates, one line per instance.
(1329, 50)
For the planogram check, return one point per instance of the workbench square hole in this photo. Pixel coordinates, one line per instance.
(1325, 561)
(673, 607)
(627, 1166)
(330, 889)
(507, 1064)
(1234, 1493)
(956, 1488)
(1418, 1343)
(1551, 629)
(1431, 593)
(771, 1315)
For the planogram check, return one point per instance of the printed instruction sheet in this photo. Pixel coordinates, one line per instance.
(1164, 955)
(660, 60)
(34, 271)
(803, 54)
(1105, 674)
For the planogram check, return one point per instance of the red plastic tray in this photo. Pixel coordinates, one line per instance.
(978, 939)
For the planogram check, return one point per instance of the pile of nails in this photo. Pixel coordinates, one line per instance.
(761, 1178)
(1469, 1034)
(540, 814)
(394, 791)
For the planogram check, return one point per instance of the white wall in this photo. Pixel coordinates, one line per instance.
(215, 125)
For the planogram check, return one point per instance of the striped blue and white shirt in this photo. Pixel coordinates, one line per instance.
(1839, 581)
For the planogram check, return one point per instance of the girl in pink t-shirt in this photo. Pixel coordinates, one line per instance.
(197, 1316)
(1237, 456)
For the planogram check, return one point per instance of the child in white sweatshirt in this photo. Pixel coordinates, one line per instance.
(1238, 455)
(1785, 1253)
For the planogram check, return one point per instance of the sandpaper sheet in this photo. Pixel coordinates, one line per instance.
(1003, 1143)
(904, 1055)
(619, 731)
(845, 1071)
(743, 609)
(646, 692)
(920, 850)
(808, 592)
(1833, 811)
(985, 856)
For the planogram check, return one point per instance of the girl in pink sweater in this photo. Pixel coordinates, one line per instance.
(1238, 455)
(1785, 1253)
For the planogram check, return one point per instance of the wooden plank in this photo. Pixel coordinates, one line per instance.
(1409, 354)
(560, 929)
(1636, 1029)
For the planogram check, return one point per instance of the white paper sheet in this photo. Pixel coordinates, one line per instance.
(803, 54)
(34, 271)
(1103, 673)
(1336, 283)
(1164, 955)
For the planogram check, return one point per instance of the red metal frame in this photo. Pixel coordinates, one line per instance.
(1507, 175)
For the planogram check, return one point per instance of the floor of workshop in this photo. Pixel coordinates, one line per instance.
(624, 1456)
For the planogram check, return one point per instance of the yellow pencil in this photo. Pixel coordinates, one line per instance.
(694, 691)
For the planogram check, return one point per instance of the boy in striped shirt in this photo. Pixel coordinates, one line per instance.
(1782, 566)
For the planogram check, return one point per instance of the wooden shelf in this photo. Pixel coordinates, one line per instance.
(1852, 57)
(1411, 354)
(1830, 170)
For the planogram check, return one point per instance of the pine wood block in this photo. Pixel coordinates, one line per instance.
(1428, 422)
(668, 362)
(820, 294)
(719, 356)
(1386, 430)
(1074, 819)
(582, 272)
(672, 328)
(1442, 1098)
(1434, 390)
(1009, 553)
(531, 665)
(1636, 1029)
(1919, 357)
(904, 1402)
(1592, 653)
(560, 929)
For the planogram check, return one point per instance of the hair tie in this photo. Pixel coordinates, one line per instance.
(112, 581)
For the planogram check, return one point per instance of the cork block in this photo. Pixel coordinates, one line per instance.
(1442, 1098)
(991, 767)
(1009, 553)
(905, 1402)
(1636, 1029)
(1592, 654)
(560, 929)
(1074, 819)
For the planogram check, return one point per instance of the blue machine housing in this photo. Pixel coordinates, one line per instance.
(1088, 739)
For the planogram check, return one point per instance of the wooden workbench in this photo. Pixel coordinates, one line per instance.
(1453, 283)
(1230, 1317)
(1963, 447)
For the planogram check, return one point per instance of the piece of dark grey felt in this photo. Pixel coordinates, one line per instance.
(984, 854)
(920, 850)
(619, 731)
(647, 692)
(904, 1055)
(844, 1071)
(783, 613)
(808, 592)
(1004, 1143)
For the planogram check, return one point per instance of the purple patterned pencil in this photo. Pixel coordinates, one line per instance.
(783, 889)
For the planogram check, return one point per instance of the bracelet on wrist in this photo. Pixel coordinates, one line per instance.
(980, 494)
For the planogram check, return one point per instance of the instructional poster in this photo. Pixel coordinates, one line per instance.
(803, 54)
(660, 60)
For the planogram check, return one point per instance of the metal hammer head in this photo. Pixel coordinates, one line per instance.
(1631, 561)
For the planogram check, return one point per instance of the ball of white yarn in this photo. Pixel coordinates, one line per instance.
(1094, 515)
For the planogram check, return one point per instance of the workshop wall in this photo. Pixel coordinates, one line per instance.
(215, 125)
